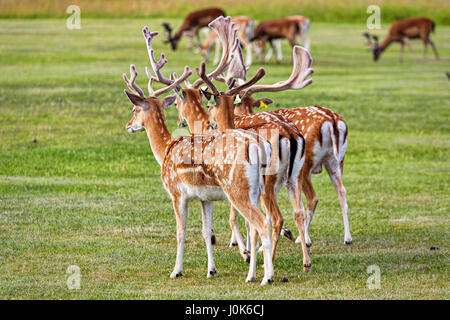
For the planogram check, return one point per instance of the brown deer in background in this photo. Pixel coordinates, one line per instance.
(269, 30)
(401, 31)
(244, 25)
(303, 23)
(193, 22)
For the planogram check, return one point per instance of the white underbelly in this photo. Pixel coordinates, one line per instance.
(205, 193)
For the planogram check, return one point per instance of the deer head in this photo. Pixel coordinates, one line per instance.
(144, 106)
(374, 46)
(172, 40)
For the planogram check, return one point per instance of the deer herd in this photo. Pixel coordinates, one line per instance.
(233, 153)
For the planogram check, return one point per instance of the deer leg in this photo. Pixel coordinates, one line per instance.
(408, 43)
(236, 238)
(295, 194)
(190, 35)
(334, 172)
(248, 58)
(279, 51)
(434, 49)
(270, 52)
(293, 43)
(262, 226)
(425, 47)
(207, 213)
(268, 201)
(251, 277)
(311, 203)
(306, 42)
(181, 213)
(402, 46)
(195, 33)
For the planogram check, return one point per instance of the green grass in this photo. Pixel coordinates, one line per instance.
(317, 10)
(87, 193)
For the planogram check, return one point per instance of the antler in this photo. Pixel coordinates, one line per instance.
(237, 68)
(202, 74)
(227, 33)
(158, 65)
(131, 83)
(297, 80)
(259, 74)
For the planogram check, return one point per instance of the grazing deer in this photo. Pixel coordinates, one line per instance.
(325, 134)
(193, 22)
(244, 25)
(401, 31)
(202, 167)
(304, 24)
(269, 30)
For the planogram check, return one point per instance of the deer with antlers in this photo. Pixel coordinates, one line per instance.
(244, 25)
(202, 167)
(287, 143)
(281, 135)
(191, 25)
(324, 131)
(401, 31)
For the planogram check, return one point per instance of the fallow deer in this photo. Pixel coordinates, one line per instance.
(302, 36)
(281, 136)
(193, 22)
(325, 134)
(269, 30)
(244, 25)
(401, 31)
(202, 167)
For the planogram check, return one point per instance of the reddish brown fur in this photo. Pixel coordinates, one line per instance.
(309, 121)
(405, 29)
(276, 29)
(196, 20)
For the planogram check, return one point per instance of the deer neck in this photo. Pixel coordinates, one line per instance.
(225, 116)
(386, 42)
(198, 120)
(158, 134)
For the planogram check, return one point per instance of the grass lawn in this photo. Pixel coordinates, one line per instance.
(77, 189)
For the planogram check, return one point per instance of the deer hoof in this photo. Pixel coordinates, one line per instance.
(287, 233)
(212, 273)
(213, 239)
(176, 274)
(307, 267)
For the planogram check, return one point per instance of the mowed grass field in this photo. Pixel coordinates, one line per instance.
(77, 189)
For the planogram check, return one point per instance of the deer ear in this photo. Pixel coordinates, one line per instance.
(257, 103)
(136, 100)
(206, 94)
(169, 100)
